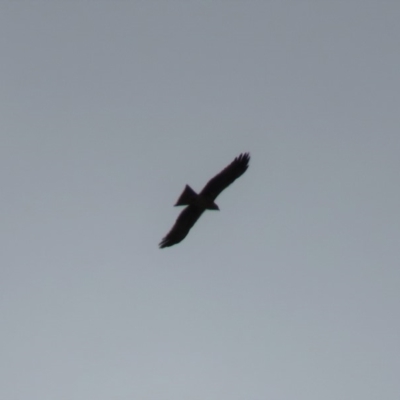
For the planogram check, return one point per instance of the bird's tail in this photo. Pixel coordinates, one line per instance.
(187, 197)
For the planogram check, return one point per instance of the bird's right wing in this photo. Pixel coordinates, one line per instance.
(227, 176)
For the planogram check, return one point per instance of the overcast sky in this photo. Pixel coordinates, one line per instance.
(291, 291)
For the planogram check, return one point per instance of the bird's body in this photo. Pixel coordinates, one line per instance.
(198, 203)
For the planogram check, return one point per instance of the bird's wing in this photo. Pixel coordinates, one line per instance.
(221, 181)
(186, 219)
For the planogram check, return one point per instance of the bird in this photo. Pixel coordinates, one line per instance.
(196, 204)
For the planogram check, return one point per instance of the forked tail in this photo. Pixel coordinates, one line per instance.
(187, 197)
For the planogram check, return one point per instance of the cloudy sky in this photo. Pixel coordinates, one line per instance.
(291, 291)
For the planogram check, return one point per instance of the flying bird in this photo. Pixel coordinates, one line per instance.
(198, 203)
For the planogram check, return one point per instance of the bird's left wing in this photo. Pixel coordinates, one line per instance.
(187, 218)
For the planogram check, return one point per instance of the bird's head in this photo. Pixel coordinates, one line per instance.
(214, 207)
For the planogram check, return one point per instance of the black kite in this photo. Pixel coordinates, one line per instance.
(198, 203)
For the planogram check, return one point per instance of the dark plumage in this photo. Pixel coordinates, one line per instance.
(198, 203)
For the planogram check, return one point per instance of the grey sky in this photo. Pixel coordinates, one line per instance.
(291, 291)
